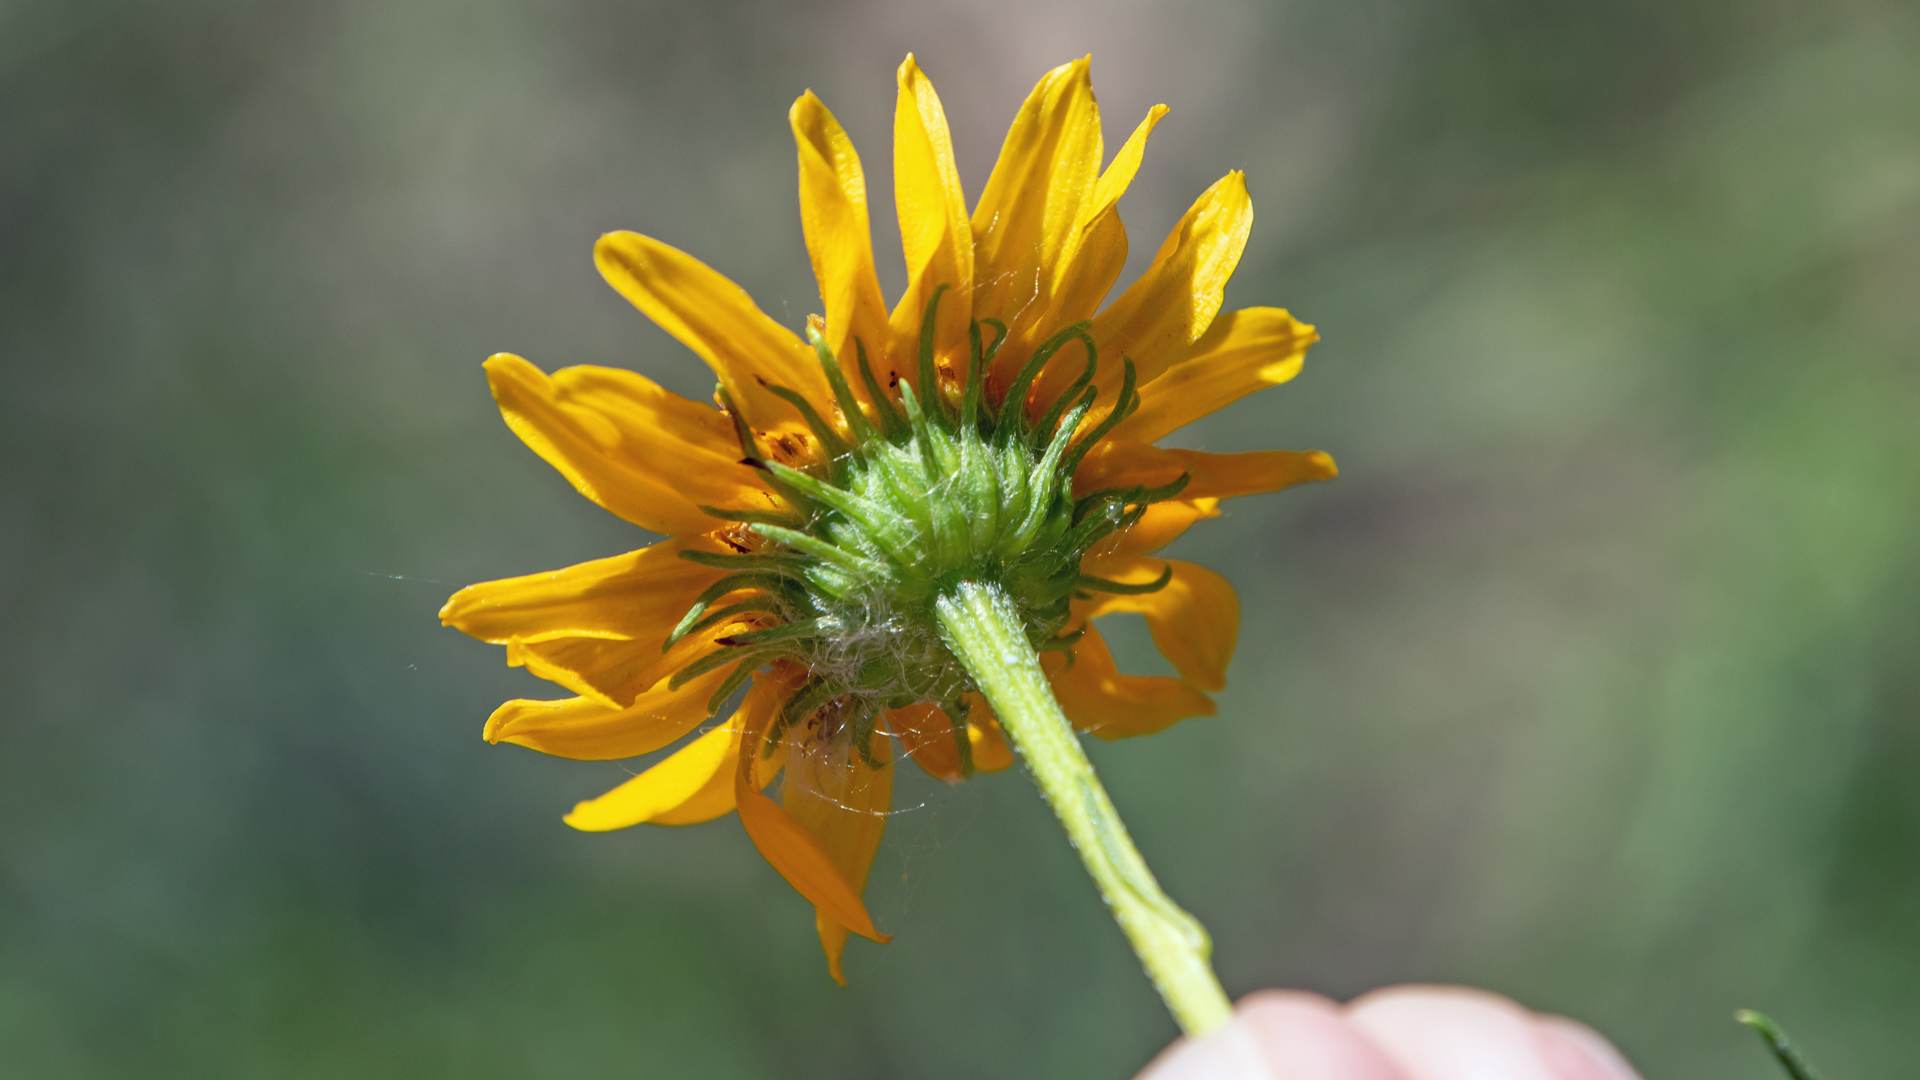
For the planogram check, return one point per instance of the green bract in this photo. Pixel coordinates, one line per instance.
(911, 501)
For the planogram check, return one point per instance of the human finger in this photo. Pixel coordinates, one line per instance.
(1305, 1036)
(1277, 1035)
(1456, 1033)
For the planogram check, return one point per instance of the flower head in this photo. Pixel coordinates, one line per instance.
(996, 425)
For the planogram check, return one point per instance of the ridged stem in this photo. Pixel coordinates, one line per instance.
(983, 629)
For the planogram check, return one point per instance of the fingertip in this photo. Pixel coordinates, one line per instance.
(1580, 1053)
(1304, 1036)
(1451, 1033)
(1231, 1053)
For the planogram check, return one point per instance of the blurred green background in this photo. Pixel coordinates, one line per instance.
(1592, 680)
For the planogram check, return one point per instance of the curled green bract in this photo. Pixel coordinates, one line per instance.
(948, 485)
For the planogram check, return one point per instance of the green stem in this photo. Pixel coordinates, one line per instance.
(984, 630)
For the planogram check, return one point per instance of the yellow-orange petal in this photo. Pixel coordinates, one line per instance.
(1162, 524)
(800, 858)
(926, 736)
(1242, 352)
(717, 320)
(639, 596)
(648, 455)
(991, 751)
(588, 730)
(833, 215)
(1218, 476)
(787, 845)
(935, 234)
(693, 784)
(843, 802)
(618, 671)
(1194, 618)
(1098, 698)
(1161, 315)
(1228, 476)
(1031, 208)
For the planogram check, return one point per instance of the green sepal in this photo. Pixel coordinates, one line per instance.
(866, 513)
(719, 658)
(1123, 406)
(757, 517)
(1133, 496)
(892, 426)
(812, 694)
(770, 635)
(830, 440)
(862, 732)
(1045, 429)
(1013, 405)
(731, 583)
(956, 713)
(813, 545)
(757, 603)
(779, 563)
(857, 423)
(929, 374)
(1100, 584)
(732, 682)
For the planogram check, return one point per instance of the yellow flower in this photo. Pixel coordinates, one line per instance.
(997, 423)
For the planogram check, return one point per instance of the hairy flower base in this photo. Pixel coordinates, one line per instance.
(909, 502)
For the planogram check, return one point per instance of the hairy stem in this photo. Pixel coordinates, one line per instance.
(983, 629)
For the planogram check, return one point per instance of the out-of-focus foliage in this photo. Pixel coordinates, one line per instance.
(1592, 680)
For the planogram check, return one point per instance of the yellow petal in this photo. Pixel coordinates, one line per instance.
(1119, 174)
(934, 232)
(652, 457)
(1161, 525)
(637, 596)
(695, 777)
(790, 848)
(843, 802)
(696, 782)
(1098, 698)
(1243, 351)
(1030, 210)
(691, 445)
(833, 214)
(717, 320)
(1160, 316)
(1093, 259)
(1096, 264)
(1195, 618)
(588, 730)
